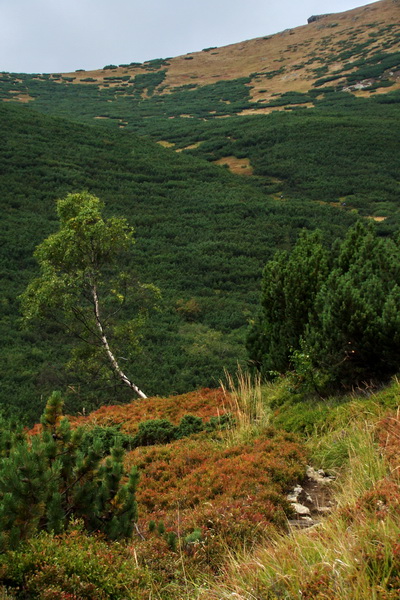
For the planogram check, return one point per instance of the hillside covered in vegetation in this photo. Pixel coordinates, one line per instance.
(318, 155)
(202, 236)
(213, 503)
(165, 225)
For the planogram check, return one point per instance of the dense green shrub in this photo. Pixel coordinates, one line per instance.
(355, 335)
(106, 438)
(73, 565)
(49, 479)
(162, 431)
(374, 66)
(226, 230)
(189, 424)
(148, 81)
(155, 431)
(289, 287)
(337, 314)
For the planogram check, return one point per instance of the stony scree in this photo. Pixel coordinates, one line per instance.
(311, 500)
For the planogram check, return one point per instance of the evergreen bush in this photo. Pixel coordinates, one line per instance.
(50, 478)
(155, 431)
(106, 438)
(189, 424)
(333, 317)
(162, 431)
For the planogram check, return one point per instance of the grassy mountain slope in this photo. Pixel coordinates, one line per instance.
(292, 60)
(345, 151)
(215, 465)
(335, 81)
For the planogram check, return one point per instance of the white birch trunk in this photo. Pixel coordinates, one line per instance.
(110, 355)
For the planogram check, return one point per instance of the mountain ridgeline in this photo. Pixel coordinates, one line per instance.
(308, 140)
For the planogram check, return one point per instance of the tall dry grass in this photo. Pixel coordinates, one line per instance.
(353, 554)
(245, 399)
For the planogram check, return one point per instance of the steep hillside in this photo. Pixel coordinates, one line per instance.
(332, 48)
(335, 81)
(202, 235)
(218, 159)
(324, 157)
(291, 60)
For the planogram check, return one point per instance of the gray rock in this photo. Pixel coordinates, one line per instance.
(300, 509)
(318, 476)
(314, 18)
(323, 510)
(295, 493)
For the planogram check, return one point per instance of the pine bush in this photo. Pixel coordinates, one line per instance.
(337, 314)
(50, 478)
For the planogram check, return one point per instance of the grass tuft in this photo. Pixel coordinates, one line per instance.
(245, 399)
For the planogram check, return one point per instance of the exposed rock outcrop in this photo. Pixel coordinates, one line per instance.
(314, 18)
(311, 500)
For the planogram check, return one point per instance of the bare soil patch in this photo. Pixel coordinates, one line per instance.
(240, 166)
(24, 98)
(190, 147)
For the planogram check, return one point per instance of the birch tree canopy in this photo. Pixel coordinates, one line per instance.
(86, 285)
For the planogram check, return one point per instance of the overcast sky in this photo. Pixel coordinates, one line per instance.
(47, 36)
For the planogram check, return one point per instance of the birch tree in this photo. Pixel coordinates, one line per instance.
(83, 286)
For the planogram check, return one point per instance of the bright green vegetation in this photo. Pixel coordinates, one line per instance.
(344, 150)
(123, 103)
(83, 289)
(333, 317)
(358, 167)
(202, 236)
(180, 497)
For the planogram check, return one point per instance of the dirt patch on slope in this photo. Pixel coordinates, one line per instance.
(240, 166)
(166, 144)
(24, 98)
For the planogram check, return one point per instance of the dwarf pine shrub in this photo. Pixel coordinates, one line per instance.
(52, 477)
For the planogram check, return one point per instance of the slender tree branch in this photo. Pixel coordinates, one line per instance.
(79, 316)
(72, 331)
